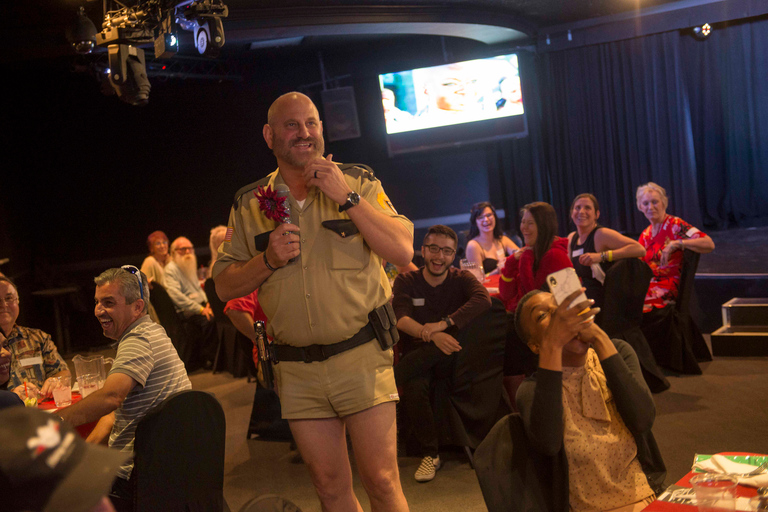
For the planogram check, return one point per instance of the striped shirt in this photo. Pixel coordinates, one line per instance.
(144, 353)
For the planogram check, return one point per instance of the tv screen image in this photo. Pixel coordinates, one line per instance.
(453, 104)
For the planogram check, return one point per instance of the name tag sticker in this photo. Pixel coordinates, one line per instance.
(31, 361)
(578, 252)
(418, 302)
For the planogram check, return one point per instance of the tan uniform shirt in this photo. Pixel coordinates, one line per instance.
(326, 294)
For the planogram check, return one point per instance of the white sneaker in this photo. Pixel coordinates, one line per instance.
(427, 469)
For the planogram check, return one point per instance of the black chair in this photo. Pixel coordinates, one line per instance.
(172, 323)
(626, 284)
(179, 455)
(469, 399)
(673, 337)
(234, 351)
(512, 477)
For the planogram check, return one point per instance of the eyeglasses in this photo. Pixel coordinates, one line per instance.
(434, 249)
(133, 270)
(9, 300)
(486, 216)
(184, 250)
(161, 242)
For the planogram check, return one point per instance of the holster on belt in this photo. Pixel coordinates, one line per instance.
(384, 323)
(266, 355)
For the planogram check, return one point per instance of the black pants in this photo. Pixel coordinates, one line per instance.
(200, 342)
(414, 374)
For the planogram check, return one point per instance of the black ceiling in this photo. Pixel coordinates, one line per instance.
(37, 27)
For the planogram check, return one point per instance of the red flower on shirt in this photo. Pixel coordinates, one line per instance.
(272, 205)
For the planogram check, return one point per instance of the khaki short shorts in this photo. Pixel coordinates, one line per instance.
(344, 384)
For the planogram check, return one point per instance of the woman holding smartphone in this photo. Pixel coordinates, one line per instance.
(588, 408)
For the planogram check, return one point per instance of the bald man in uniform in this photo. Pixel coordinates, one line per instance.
(319, 277)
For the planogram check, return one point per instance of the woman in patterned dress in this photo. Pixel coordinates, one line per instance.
(664, 241)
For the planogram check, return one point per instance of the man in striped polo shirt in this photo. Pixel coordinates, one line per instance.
(146, 370)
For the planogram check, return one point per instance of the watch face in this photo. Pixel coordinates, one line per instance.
(354, 198)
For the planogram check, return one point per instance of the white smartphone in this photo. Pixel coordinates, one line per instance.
(563, 283)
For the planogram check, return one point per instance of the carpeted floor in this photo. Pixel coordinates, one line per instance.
(725, 409)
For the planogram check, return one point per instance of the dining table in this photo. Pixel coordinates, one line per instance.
(49, 405)
(680, 497)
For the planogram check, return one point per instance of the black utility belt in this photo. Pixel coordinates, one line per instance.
(382, 326)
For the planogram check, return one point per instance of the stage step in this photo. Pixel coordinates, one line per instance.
(745, 328)
(745, 311)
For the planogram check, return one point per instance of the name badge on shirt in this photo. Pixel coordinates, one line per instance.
(691, 232)
(418, 302)
(577, 252)
(31, 361)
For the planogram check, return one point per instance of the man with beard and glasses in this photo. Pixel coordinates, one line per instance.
(319, 276)
(432, 305)
(192, 305)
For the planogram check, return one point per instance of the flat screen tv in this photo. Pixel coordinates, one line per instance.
(453, 104)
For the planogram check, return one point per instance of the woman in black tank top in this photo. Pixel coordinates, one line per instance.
(592, 244)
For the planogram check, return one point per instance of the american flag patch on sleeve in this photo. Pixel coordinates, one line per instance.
(228, 235)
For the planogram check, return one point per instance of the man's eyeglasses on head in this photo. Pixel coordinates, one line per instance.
(9, 300)
(184, 250)
(135, 271)
(434, 249)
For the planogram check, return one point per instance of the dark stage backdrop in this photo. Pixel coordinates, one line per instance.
(690, 115)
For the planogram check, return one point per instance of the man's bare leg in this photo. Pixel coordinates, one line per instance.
(374, 440)
(323, 446)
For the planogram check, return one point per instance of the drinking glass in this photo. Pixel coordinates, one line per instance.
(714, 491)
(62, 391)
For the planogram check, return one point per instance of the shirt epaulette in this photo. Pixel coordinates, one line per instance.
(250, 186)
(358, 170)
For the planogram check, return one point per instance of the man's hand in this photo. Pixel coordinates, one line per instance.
(326, 175)
(446, 343)
(283, 245)
(566, 323)
(47, 389)
(21, 392)
(429, 329)
(207, 312)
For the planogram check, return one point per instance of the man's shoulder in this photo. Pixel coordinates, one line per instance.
(28, 333)
(358, 171)
(410, 277)
(252, 186)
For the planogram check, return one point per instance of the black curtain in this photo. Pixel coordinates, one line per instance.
(689, 115)
(727, 84)
(617, 116)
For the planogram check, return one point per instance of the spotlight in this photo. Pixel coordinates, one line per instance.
(166, 46)
(82, 33)
(128, 74)
(702, 32)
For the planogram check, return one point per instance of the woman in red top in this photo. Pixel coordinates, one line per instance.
(664, 241)
(544, 252)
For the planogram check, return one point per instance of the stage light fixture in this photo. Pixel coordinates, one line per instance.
(702, 32)
(82, 33)
(128, 74)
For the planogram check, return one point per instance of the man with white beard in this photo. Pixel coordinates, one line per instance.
(192, 305)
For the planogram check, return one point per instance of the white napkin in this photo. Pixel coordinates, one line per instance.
(598, 273)
(720, 464)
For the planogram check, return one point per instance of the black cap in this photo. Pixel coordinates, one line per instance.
(46, 466)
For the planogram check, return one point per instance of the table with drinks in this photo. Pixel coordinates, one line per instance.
(712, 491)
